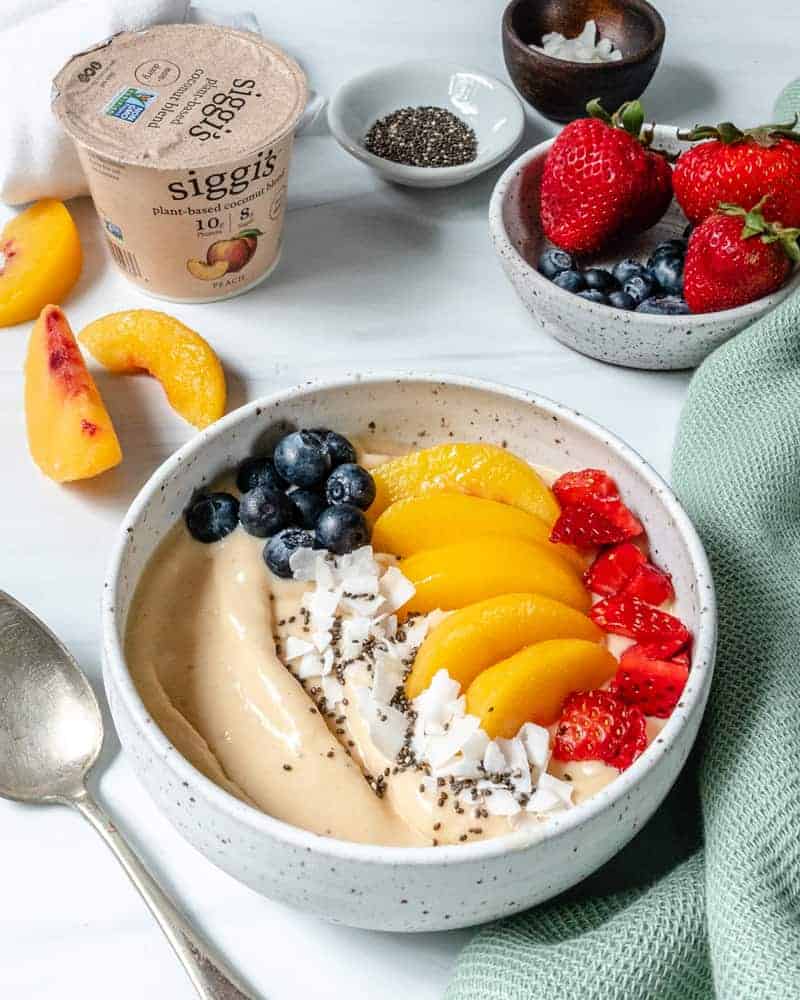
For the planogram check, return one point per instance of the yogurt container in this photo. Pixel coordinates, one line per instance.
(185, 134)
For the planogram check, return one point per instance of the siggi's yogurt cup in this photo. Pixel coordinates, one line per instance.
(185, 134)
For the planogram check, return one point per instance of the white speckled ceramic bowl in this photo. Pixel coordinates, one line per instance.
(489, 107)
(390, 888)
(622, 338)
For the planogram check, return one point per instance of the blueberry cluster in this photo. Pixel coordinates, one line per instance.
(655, 287)
(310, 493)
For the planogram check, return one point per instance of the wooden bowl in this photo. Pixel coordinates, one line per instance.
(560, 89)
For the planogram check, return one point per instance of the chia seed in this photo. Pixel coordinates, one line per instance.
(422, 137)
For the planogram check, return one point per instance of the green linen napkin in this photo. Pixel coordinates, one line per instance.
(686, 913)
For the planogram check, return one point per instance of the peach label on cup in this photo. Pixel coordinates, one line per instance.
(185, 134)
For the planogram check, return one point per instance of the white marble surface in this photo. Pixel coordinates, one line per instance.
(373, 277)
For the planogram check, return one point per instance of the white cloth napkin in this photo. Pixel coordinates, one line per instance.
(37, 159)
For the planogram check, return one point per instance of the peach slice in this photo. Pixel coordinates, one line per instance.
(531, 685)
(70, 434)
(205, 271)
(145, 340)
(40, 260)
(472, 639)
(482, 470)
(466, 572)
(436, 519)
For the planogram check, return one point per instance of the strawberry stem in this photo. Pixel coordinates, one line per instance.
(629, 116)
(728, 133)
(769, 232)
(596, 110)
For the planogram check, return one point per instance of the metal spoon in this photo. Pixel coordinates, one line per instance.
(51, 732)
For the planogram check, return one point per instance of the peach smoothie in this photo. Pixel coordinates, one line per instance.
(185, 134)
(415, 650)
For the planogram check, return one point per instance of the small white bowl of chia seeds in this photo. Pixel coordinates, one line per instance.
(426, 123)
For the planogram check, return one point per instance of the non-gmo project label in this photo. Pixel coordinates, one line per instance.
(129, 104)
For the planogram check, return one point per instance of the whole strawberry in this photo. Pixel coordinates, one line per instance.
(740, 167)
(601, 182)
(735, 257)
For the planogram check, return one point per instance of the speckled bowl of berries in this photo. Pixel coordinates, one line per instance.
(616, 269)
(293, 474)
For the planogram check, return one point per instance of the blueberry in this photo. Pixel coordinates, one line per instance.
(570, 281)
(342, 528)
(309, 506)
(664, 305)
(640, 287)
(668, 248)
(592, 295)
(621, 300)
(600, 280)
(278, 550)
(263, 512)
(553, 261)
(337, 446)
(625, 269)
(301, 459)
(668, 272)
(212, 516)
(350, 484)
(258, 472)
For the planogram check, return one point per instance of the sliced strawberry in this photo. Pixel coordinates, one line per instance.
(585, 528)
(595, 490)
(583, 487)
(666, 651)
(628, 524)
(612, 569)
(654, 686)
(631, 617)
(596, 725)
(651, 584)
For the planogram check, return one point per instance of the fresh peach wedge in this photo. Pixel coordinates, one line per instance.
(531, 685)
(466, 572)
(472, 639)
(40, 260)
(436, 519)
(70, 434)
(482, 470)
(145, 340)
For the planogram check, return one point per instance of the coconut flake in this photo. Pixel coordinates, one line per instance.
(494, 761)
(587, 47)
(387, 726)
(294, 648)
(443, 748)
(551, 794)
(303, 564)
(500, 802)
(387, 676)
(310, 666)
(396, 589)
(536, 740)
(332, 690)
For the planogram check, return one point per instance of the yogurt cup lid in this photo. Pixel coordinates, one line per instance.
(179, 95)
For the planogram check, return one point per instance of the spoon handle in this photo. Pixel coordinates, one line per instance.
(212, 979)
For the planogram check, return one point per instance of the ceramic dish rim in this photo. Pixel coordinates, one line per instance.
(115, 667)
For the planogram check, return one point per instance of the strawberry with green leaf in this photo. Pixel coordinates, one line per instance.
(735, 257)
(740, 167)
(601, 181)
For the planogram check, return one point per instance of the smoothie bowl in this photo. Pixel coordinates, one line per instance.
(450, 724)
